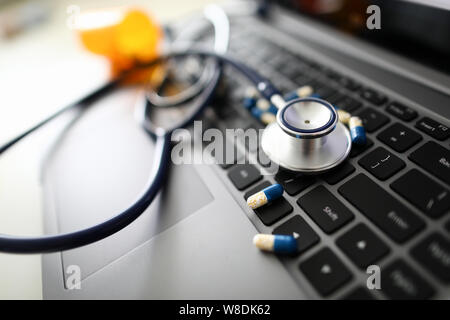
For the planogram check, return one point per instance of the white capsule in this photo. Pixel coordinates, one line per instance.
(263, 104)
(305, 91)
(268, 117)
(355, 122)
(264, 241)
(344, 116)
(257, 200)
(251, 92)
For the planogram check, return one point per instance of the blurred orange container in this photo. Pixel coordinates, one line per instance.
(125, 36)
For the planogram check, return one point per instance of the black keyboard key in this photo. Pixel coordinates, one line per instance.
(362, 246)
(391, 216)
(291, 71)
(358, 149)
(325, 209)
(244, 175)
(447, 226)
(302, 80)
(372, 119)
(256, 189)
(339, 173)
(335, 98)
(381, 163)
(372, 96)
(300, 230)
(401, 111)
(348, 104)
(349, 83)
(433, 158)
(324, 91)
(274, 211)
(325, 272)
(399, 137)
(434, 254)
(359, 293)
(427, 195)
(332, 74)
(433, 128)
(401, 282)
(293, 183)
(316, 66)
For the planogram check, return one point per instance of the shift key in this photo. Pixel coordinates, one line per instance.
(392, 217)
(434, 158)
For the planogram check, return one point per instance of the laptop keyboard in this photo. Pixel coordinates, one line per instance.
(368, 201)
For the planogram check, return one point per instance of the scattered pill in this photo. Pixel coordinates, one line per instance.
(291, 96)
(257, 113)
(251, 92)
(263, 104)
(273, 109)
(275, 243)
(249, 102)
(344, 116)
(265, 196)
(357, 131)
(268, 118)
(304, 91)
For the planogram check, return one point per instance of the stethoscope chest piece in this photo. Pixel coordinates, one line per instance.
(307, 137)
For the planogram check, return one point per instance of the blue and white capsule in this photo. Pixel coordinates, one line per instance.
(265, 196)
(267, 118)
(263, 116)
(357, 131)
(273, 109)
(249, 102)
(263, 104)
(302, 92)
(344, 116)
(251, 92)
(276, 243)
(305, 91)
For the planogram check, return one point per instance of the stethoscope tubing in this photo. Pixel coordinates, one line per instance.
(67, 241)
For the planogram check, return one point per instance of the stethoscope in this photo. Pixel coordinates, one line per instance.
(306, 138)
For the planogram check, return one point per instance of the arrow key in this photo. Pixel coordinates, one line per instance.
(362, 246)
(297, 227)
(325, 272)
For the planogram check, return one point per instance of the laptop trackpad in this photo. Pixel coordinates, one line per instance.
(98, 171)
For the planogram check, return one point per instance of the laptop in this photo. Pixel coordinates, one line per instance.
(383, 213)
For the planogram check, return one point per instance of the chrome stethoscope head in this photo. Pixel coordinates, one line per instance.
(307, 137)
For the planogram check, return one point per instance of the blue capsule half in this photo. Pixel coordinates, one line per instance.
(257, 113)
(273, 192)
(291, 96)
(273, 109)
(357, 131)
(284, 244)
(249, 103)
